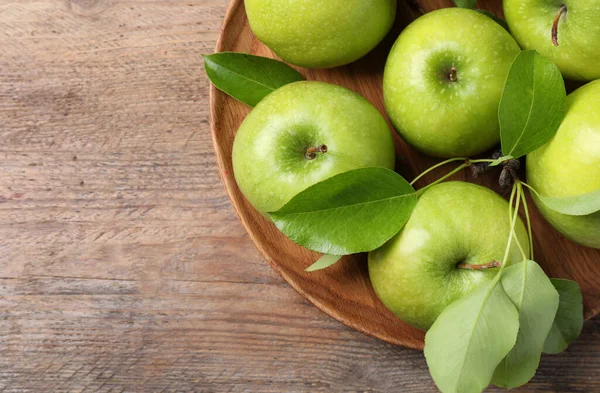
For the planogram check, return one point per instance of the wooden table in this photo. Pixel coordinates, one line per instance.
(122, 265)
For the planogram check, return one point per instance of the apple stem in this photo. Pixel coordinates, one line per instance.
(452, 74)
(481, 166)
(509, 174)
(560, 12)
(311, 152)
(483, 266)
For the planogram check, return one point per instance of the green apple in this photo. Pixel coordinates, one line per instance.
(569, 165)
(567, 32)
(303, 133)
(321, 33)
(455, 228)
(443, 81)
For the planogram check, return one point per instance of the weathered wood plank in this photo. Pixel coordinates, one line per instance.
(122, 266)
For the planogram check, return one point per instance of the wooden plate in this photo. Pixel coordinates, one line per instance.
(344, 291)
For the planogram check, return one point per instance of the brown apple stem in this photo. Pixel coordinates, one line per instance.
(484, 266)
(311, 152)
(510, 173)
(452, 74)
(560, 12)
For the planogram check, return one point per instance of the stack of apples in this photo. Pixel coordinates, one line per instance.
(442, 86)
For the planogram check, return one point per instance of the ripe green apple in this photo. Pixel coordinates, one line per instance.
(574, 24)
(321, 33)
(303, 133)
(569, 165)
(443, 81)
(454, 229)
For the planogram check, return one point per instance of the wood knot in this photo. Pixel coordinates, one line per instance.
(88, 7)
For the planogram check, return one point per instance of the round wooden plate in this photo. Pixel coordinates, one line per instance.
(344, 291)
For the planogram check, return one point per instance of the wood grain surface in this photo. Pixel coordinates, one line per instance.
(123, 267)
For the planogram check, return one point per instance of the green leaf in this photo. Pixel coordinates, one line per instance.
(465, 3)
(532, 104)
(569, 317)
(248, 78)
(536, 300)
(352, 212)
(470, 338)
(324, 262)
(496, 18)
(579, 205)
